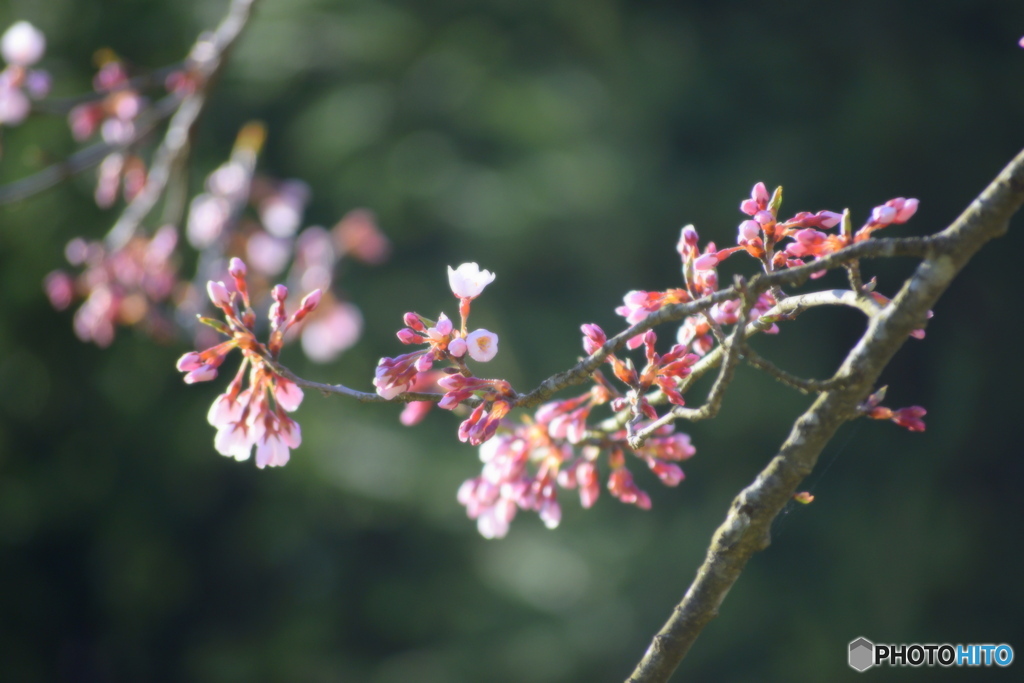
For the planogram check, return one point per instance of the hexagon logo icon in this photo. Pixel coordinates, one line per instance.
(862, 654)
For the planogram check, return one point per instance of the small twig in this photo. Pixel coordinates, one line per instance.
(713, 402)
(853, 274)
(806, 386)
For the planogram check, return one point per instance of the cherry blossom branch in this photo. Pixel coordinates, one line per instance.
(207, 59)
(920, 247)
(790, 306)
(747, 525)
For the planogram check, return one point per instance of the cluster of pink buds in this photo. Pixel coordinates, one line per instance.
(810, 242)
(127, 286)
(495, 396)
(442, 340)
(662, 370)
(696, 333)
(699, 267)
(527, 464)
(21, 46)
(256, 415)
(637, 305)
(909, 418)
(759, 235)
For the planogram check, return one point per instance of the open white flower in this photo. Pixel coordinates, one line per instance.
(483, 345)
(467, 281)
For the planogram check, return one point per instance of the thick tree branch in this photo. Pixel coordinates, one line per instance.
(746, 527)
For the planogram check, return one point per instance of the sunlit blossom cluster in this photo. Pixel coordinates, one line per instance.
(255, 415)
(777, 245)
(527, 464)
(442, 341)
(133, 280)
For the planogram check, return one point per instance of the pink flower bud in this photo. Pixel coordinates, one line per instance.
(414, 412)
(749, 230)
(550, 513)
(236, 268)
(38, 84)
(910, 418)
(424, 363)
(908, 209)
(467, 281)
(810, 237)
(279, 292)
(829, 219)
(452, 382)
(749, 207)
(287, 394)
(883, 215)
(764, 217)
(593, 337)
(566, 478)
(483, 345)
(311, 300)
(219, 294)
(760, 194)
(689, 236)
(458, 347)
(60, 289)
(389, 391)
(444, 326)
(203, 373)
(413, 321)
(407, 336)
(705, 262)
(189, 362)
(669, 473)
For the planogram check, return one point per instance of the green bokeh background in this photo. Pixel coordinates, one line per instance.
(561, 144)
